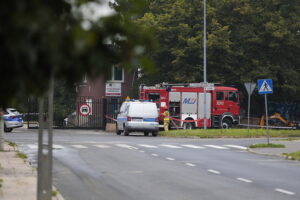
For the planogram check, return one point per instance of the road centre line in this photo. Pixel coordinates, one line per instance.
(147, 146)
(214, 171)
(284, 191)
(190, 164)
(126, 146)
(170, 146)
(216, 147)
(142, 151)
(168, 158)
(236, 146)
(79, 146)
(244, 180)
(193, 146)
(102, 146)
(154, 154)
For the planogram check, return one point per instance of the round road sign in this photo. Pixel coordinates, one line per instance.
(84, 109)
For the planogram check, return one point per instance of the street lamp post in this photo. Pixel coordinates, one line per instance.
(204, 60)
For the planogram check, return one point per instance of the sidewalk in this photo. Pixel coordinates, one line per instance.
(18, 179)
(290, 146)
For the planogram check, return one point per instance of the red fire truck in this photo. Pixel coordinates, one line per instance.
(185, 103)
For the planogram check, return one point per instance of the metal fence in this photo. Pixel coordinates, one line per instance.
(84, 113)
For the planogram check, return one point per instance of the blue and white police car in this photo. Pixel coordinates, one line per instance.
(12, 119)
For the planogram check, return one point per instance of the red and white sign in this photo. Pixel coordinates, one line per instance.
(84, 109)
(113, 89)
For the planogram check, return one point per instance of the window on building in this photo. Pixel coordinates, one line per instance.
(220, 96)
(117, 74)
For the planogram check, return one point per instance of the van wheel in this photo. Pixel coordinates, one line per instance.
(126, 133)
(154, 134)
(146, 133)
(118, 132)
(226, 123)
(188, 125)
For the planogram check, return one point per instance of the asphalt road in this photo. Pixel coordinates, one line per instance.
(102, 166)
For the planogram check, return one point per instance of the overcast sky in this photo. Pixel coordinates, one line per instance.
(96, 10)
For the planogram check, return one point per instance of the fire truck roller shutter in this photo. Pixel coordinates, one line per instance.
(201, 105)
(189, 108)
(174, 96)
(174, 104)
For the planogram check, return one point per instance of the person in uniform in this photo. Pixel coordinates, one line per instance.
(166, 115)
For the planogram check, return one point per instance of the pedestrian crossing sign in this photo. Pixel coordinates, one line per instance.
(265, 86)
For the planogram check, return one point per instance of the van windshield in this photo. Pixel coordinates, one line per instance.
(143, 109)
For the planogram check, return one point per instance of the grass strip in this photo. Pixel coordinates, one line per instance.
(270, 145)
(293, 156)
(230, 133)
(21, 155)
(54, 193)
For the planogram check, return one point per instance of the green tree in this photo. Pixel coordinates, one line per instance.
(246, 40)
(40, 39)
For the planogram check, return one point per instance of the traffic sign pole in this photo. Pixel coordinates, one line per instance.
(265, 86)
(250, 88)
(267, 120)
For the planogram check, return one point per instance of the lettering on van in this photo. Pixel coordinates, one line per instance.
(189, 101)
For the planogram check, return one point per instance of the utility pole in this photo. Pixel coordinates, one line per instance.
(1, 130)
(44, 182)
(204, 60)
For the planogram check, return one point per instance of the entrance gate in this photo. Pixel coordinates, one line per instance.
(85, 113)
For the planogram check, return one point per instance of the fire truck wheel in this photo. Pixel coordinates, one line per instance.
(154, 134)
(226, 123)
(146, 133)
(188, 125)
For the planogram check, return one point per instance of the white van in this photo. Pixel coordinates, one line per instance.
(138, 116)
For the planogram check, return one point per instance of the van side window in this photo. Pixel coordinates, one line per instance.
(220, 95)
(232, 96)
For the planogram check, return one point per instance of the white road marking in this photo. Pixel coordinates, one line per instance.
(126, 146)
(154, 154)
(284, 191)
(244, 180)
(216, 147)
(190, 164)
(147, 146)
(170, 146)
(236, 146)
(214, 171)
(32, 146)
(35, 146)
(168, 158)
(142, 151)
(192, 146)
(102, 146)
(79, 146)
(56, 146)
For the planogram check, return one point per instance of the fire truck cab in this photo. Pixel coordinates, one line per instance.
(185, 103)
